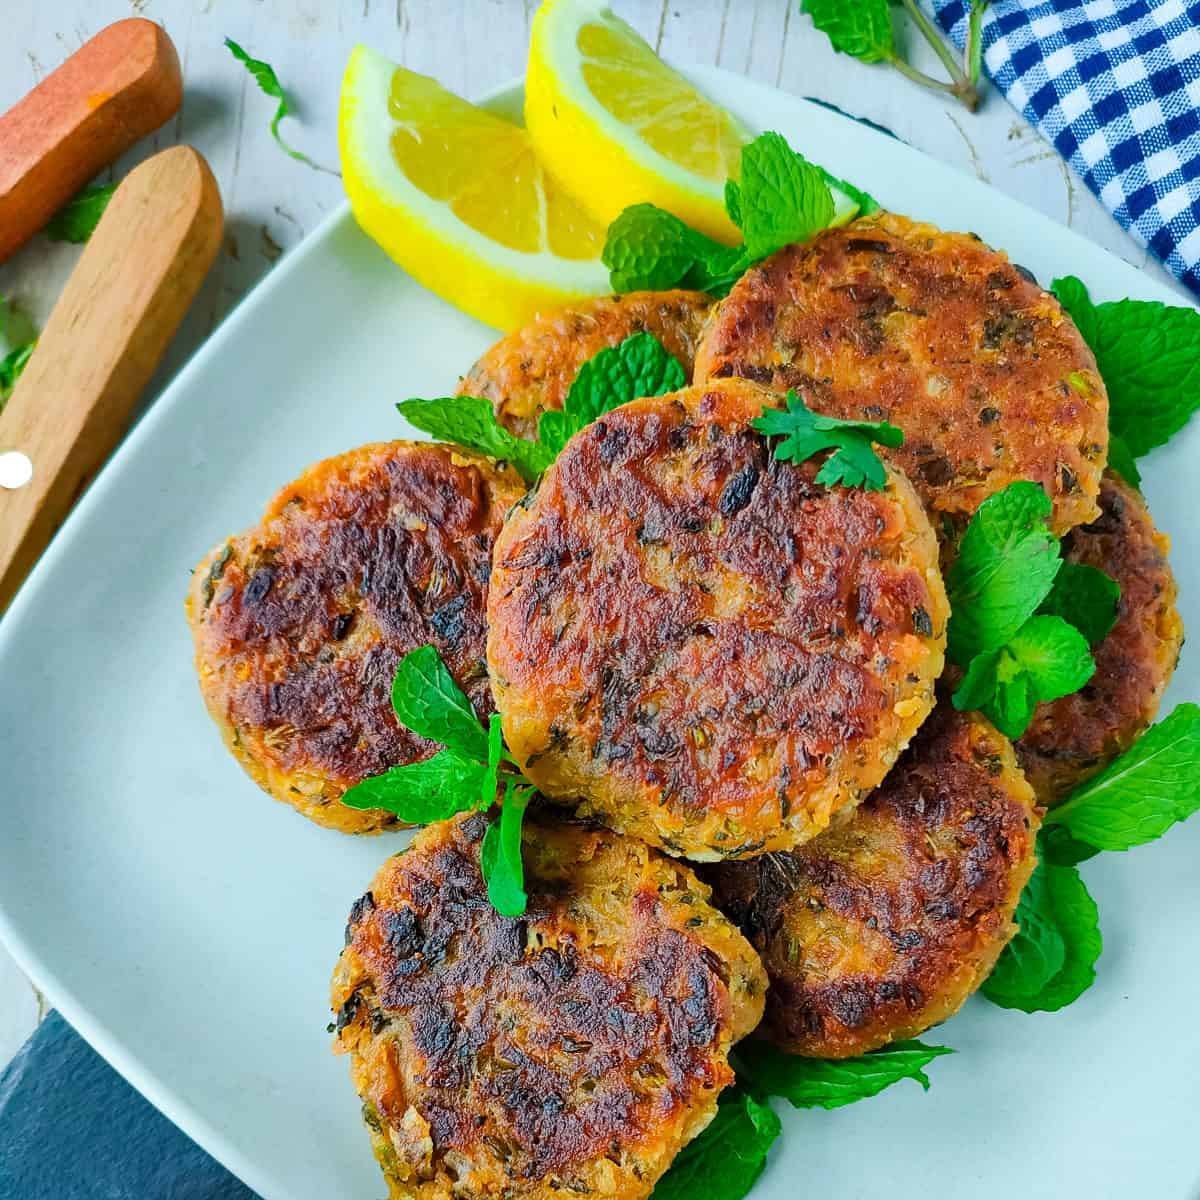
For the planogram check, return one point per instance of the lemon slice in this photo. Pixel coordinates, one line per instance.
(458, 197)
(616, 126)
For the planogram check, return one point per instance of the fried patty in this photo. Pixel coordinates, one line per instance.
(572, 1051)
(698, 643)
(889, 319)
(299, 622)
(884, 925)
(1071, 739)
(532, 369)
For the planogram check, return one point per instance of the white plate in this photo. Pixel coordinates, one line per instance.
(187, 925)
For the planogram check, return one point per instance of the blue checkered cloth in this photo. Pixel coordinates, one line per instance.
(1114, 85)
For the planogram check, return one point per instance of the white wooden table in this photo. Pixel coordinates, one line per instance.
(470, 46)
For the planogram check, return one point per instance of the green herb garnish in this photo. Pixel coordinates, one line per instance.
(1052, 959)
(500, 856)
(1149, 358)
(1087, 598)
(18, 337)
(76, 221)
(863, 29)
(725, 1160)
(264, 75)
(832, 1083)
(779, 198)
(803, 433)
(638, 366)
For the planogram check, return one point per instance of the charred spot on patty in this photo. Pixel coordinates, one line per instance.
(1071, 739)
(885, 924)
(988, 378)
(577, 1047)
(699, 643)
(365, 557)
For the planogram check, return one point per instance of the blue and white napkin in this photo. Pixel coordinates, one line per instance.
(1114, 85)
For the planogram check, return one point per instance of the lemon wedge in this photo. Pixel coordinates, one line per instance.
(458, 197)
(616, 126)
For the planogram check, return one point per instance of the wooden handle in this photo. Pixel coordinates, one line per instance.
(108, 332)
(119, 87)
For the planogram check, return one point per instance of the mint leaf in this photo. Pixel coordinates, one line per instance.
(782, 198)
(1085, 597)
(649, 249)
(1057, 846)
(428, 701)
(1051, 961)
(432, 790)
(1140, 795)
(500, 855)
(831, 1083)
(803, 433)
(264, 75)
(867, 203)
(1121, 460)
(491, 775)
(1149, 358)
(18, 337)
(1006, 565)
(860, 28)
(1044, 660)
(725, 1159)
(470, 422)
(639, 366)
(76, 221)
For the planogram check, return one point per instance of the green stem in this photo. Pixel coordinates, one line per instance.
(910, 72)
(973, 53)
(930, 34)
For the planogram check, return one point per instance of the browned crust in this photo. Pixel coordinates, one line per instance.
(299, 623)
(532, 369)
(703, 645)
(886, 318)
(571, 1051)
(1071, 739)
(884, 926)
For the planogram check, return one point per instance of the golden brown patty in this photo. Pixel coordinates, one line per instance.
(572, 1051)
(942, 336)
(532, 369)
(1071, 739)
(883, 926)
(703, 645)
(299, 623)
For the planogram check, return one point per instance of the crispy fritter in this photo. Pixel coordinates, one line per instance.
(701, 644)
(532, 369)
(299, 622)
(572, 1051)
(888, 319)
(884, 925)
(1071, 739)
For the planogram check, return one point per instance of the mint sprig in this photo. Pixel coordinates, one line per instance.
(638, 366)
(76, 221)
(1149, 358)
(462, 777)
(831, 1083)
(1086, 597)
(779, 198)
(863, 30)
(803, 433)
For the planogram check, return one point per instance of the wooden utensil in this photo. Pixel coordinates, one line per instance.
(108, 332)
(120, 86)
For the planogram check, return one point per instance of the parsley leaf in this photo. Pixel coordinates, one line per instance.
(428, 701)
(804, 433)
(725, 1159)
(469, 421)
(1140, 795)
(76, 221)
(500, 855)
(832, 1083)
(268, 82)
(434, 789)
(779, 198)
(1149, 358)
(1087, 598)
(1052, 959)
(639, 366)
(860, 28)
(1045, 659)
(1006, 565)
